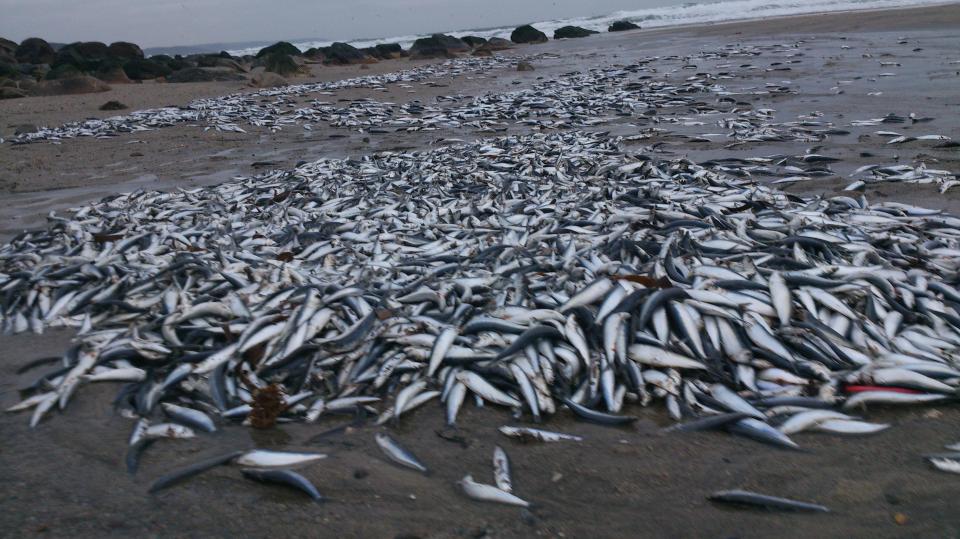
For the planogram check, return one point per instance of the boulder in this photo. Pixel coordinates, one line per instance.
(389, 50)
(113, 105)
(528, 34)
(281, 64)
(567, 32)
(314, 54)
(8, 70)
(8, 51)
(7, 92)
(205, 74)
(173, 63)
(62, 71)
(83, 84)
(35, 51)
(220, 61)
(281, 47)
(344, 54)
(622, 26)
(474, 41)
(483, 52)
(268, 80)
(85, 56)
(524, 66)
(144, 69)
(113, 74)
(124, 50)
(498, 44)
(438, 46)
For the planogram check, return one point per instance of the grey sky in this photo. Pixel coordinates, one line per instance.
(185, 22)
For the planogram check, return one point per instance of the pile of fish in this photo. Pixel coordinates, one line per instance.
(537, 273)
(642, 91)
(223, 113)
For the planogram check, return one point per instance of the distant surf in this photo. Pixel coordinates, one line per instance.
(690, 13)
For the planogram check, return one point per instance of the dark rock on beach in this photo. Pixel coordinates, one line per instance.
(216, 60)
(143, 69)
(113, 74)
(345, 54)
(8, 92)
(528, 34)
(82, 84)
(281, 47)
(8, 51)
(498, 44)
(438, 46)
(384, 51)
(622, 26)
(474, 41)
(35, 51)
(113, 105)
(281, 64)
(125, 50)
(525, 66)
(568, 32)
(173, 63)
(62, 71)
(205, 74)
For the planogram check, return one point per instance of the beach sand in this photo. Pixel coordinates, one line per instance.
(67, 477)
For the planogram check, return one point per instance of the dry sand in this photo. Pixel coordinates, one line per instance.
(66, 478)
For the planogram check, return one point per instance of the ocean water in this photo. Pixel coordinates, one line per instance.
(690, 13)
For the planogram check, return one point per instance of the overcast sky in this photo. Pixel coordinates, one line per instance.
(153, 23)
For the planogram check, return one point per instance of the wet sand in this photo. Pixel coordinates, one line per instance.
(67, 478)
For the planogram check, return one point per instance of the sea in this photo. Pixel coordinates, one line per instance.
(676, 15)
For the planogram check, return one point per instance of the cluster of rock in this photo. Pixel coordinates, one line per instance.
(36, 67)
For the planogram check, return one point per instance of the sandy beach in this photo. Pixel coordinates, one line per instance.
(67, 478)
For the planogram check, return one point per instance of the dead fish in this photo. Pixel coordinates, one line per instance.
(397, 453)
(743, 497)
(284, 477)
(489, 493)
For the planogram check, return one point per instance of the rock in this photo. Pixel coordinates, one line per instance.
(483, 52)
(25, 129)
(389, 50)
(438, 46)
(281, 64)
(205, 74)
(498, 44)
(567, 32)
(144, 69)
(63, 71)
(622, 26)
(315, 54)
(35, 51)
(113, 74)
(173, 63)
(344, 54)
(220, 61)
(268, 80)
(83, 84)
(528, 34)
(8, 51)
(124, 50)
(474, 41)
(8, 70)
(525, 66)
(281, 47)
(86, 56)
(7, 92)
(113, 105)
